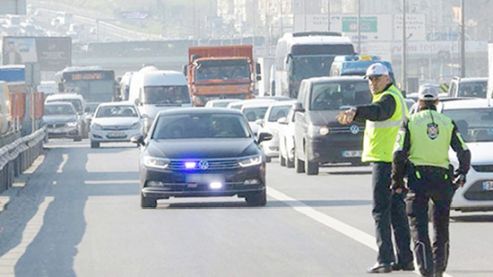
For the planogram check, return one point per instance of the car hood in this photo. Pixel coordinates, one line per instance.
(49, 119)
(321, 118)
(202, 148)
(480, 153)
(116, 121)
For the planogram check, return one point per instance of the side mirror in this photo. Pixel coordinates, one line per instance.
(139, 140)
(264, 137)
(258, 69)
(185, 70)
(137, 102)
(258, 77)
(283, 120)
(298, 107)
(259, 122)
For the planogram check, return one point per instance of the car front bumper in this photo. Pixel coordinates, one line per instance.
(333, 148)
(113, 136)
(476, 194)
(168, 183)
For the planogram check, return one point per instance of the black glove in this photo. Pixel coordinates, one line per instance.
(459, 180)
(398, 188)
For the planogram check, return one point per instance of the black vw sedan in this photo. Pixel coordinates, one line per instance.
(196, 152)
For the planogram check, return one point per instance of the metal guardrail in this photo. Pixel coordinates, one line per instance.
(18, 156)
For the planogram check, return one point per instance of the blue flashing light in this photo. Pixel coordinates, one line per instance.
(190, 165)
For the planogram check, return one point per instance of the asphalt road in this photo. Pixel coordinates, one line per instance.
(79, 215)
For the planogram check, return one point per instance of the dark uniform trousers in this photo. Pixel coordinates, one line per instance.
(389, 213)
(430, 183)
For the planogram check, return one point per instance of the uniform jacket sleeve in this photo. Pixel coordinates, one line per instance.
(463, 154)
(378, 111)
(401, 154)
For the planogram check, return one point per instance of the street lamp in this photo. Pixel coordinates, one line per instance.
(404, 38)
(462, 41)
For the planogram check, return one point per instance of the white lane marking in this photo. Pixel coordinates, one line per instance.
(62, 164)
(10, 259)
(37, 162)
(335, 224)
(109, 182)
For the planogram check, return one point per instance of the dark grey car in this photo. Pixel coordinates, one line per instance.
(193, 152)
(319, 138)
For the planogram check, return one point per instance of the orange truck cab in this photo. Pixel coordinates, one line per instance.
(216, 72)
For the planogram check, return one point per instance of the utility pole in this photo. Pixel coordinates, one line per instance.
(304, 15)
(462, 41)
(359, 26)
(404, 38)
(328, 15)
(281, 15)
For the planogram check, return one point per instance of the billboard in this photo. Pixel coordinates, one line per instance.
(51, 53)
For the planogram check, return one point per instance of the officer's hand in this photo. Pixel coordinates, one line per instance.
(346, 117)
(459, 180)
(398, 188)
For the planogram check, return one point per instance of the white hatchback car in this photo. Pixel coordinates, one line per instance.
(474, 119)
(270, 125)
(115, 122)
(286, 139)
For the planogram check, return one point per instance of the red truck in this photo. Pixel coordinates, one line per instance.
(215, 72)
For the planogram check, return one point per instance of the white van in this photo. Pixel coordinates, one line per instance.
(153, 90)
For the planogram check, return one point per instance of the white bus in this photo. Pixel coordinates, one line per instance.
(305, 55)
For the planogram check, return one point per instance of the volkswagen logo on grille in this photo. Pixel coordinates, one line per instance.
(203, 165)
(354, 129)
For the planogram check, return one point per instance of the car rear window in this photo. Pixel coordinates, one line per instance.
(475, 125)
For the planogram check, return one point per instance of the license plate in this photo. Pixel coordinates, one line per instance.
(351, 154)
(116, 135)
(204, 178)
(487, 185)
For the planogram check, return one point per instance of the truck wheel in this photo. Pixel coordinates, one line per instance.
(94, 144)
(282, 160)
(311, 168)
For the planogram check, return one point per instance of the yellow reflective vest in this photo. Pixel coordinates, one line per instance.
(380, 136)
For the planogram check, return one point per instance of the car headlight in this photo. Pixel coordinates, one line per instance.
(156, 162)
(314, 130)
(72, 123)
(136, 125)
(251, 161)
(96, 126)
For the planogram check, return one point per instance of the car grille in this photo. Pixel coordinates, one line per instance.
(115, 128)
(353, 129)
(483, 168)
(212, 164)
(476, 192)
(56, 125)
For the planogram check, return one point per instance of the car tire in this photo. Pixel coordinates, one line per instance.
(94, 144)
(257, 198)
(282, 160)
(311, 168)
(289, 163)
(147, 202)
(268, 159)
(299, 165)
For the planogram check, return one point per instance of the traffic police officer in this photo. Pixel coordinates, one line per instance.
(383, 118)
(422, 154)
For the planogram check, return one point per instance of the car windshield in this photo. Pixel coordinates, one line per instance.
(277, 112)
(475, 125)
(473, 89)
(59, 110)
(254, 113)
(206, 125)
(223, 69)
(166, 95)
(75, 102)
(311, 66)
(116, 111)
(337, 95)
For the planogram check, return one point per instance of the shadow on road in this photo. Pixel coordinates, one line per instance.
(270, 204)
(63, 177)
(472, 218)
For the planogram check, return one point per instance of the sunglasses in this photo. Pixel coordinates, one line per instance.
(374, 77)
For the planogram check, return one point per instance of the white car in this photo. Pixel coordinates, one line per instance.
(239, 104)
(270, 125)
(474, 119)
(220, 103)
(286, 139)
(115, 122)
(254, 111)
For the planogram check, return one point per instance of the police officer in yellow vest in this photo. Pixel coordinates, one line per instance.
(383, 118)
(422, 154)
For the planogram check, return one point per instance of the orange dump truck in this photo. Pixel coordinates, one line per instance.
(215, 72)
